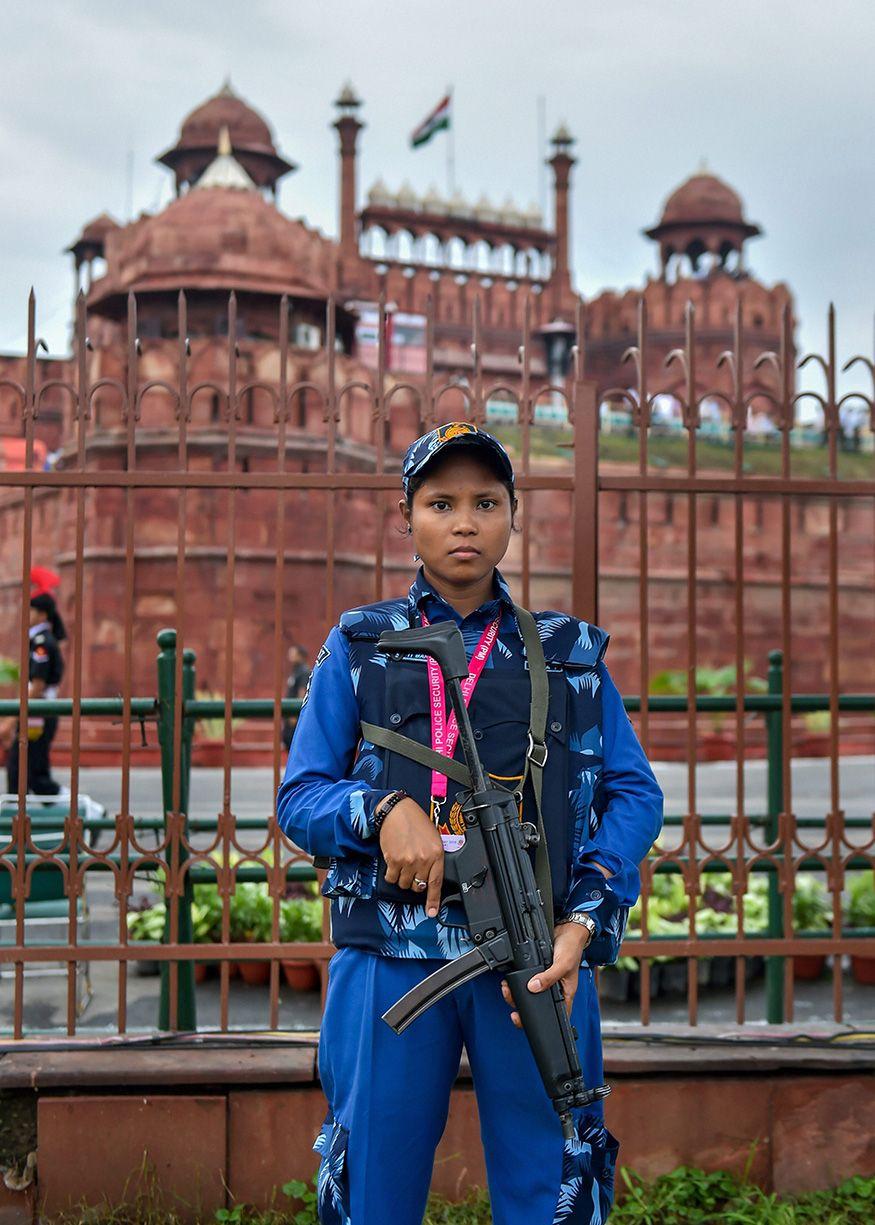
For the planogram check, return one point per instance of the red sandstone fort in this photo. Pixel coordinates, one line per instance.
(224, 232)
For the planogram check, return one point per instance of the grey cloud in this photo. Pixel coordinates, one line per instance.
(777, 97)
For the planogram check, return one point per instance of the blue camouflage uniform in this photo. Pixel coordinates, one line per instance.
(388, 1095)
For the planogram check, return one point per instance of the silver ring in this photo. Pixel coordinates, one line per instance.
(420, 884)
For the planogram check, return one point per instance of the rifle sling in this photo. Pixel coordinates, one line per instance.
(536, 757)
(396, 743)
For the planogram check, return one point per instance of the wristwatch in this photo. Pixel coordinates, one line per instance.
(582, 920)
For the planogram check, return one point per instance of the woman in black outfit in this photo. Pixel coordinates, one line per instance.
(45, 669)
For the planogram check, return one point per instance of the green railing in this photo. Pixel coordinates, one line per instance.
(161, 710)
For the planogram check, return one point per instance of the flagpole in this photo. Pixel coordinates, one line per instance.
(451, 149)
(542, 150)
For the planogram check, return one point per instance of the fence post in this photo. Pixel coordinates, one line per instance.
(186, 1009)
(775, 805)
(585, 499)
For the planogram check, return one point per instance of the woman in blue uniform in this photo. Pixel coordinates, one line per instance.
(384, 821)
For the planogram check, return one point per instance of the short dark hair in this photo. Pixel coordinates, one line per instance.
(415, 483)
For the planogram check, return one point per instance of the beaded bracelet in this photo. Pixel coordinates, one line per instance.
(386, 806)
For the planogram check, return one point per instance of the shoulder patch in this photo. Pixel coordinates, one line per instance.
(322, 656)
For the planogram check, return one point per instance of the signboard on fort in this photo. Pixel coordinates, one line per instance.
(405, 340)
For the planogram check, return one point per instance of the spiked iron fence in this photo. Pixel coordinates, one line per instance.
(310, 435)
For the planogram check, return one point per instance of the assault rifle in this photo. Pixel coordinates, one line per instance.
(492, 875)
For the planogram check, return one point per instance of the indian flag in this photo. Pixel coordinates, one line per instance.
(437, 121)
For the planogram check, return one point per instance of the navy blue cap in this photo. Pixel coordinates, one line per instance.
(453, 434)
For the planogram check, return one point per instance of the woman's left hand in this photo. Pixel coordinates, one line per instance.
(569, 942)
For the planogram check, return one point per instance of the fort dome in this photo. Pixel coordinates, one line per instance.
(250, 136)
(215, 238)
(703, 197)
(246, 128)
(91, 241)
(703, 224)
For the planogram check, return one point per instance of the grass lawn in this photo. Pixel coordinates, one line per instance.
(670, 452)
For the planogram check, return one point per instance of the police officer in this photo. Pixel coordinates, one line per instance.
(45, 669)
(384, 822)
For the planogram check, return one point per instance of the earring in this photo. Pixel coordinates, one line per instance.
(416, 557)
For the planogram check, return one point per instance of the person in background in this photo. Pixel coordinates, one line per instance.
(296, 687)
(45, 670)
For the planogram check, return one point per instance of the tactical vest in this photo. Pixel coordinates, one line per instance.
(393, 694)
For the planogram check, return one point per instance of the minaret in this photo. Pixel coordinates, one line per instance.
(561, 162)
(348, 126)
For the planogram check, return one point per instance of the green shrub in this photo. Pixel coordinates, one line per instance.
(689, 1196)
(712, 682)
(251, 913)
(9, 671)
(147, 924)
(861, 899)
(206, 914)
(213, 728)
(817, 721)
(300, 920)
(686, 1196)
(811, 908)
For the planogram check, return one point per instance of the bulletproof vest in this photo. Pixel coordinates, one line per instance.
(393, 694)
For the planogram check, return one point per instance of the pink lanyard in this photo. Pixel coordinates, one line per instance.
(444, 731)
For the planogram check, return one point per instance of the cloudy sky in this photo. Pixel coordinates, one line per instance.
(778, 98)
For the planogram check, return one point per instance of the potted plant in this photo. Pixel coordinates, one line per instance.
(301, 921)
(811, 912)
(251, 921)
(666, 915)
(861, 913)
(146, 926)
(206, 919)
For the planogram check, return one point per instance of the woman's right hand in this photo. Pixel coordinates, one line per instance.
(412, 848)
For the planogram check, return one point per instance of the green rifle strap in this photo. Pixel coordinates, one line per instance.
(536, 757)
(396, 743)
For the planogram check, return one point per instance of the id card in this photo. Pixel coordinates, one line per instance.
(452, 827)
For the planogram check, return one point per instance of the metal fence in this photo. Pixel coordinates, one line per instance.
(358, 454)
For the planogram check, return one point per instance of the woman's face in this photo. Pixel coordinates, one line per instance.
(461, 520)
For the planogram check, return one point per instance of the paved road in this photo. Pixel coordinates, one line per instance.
(252, 789)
